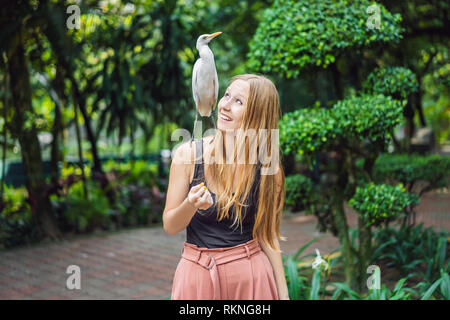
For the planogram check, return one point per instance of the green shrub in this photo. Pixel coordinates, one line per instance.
(299, 192)
(16, 222)
(358, 117)
(85, 215)
(140, 173)
(411, 168)
(381, 203)
(295, 35)
(398, 82)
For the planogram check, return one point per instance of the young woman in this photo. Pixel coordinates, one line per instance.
(231, 209)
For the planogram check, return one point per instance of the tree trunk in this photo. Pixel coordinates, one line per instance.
(23, 129)
(57, 155)
(344, 239)
(5, 137)
(365, 251)
(97, 170)
(79, 148)
(340, 221)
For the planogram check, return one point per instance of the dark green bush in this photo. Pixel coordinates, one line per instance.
(295, 35)
(398, 82)
(299, 192)
(16, 221)
(358, 117)
(85, 215)
(410, 169)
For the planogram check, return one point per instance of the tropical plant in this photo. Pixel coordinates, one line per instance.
(298, 285)
(412, 250)
(344, 292)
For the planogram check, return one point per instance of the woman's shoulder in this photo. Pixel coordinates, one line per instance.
(185, 152)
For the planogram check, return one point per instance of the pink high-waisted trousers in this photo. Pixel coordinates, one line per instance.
(241, 272)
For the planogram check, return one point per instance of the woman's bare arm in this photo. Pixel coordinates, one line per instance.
(182, 203)
(278, 269)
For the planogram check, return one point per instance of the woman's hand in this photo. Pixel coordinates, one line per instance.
(199, 197)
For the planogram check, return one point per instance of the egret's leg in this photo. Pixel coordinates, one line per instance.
(195, 125)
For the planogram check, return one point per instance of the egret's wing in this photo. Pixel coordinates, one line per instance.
(195, 82)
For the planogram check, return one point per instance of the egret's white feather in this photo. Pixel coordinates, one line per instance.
(205, 84)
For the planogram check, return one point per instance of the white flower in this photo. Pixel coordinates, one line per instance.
(319, 262)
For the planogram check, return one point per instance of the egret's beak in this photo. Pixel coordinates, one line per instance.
(211, 36)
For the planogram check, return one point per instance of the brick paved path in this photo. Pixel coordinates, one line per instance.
(140, 263)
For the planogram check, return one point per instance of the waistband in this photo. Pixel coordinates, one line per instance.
(211, 258)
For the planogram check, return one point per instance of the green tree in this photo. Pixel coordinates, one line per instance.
(399, 83)
(18, 23)
(299, 37)
(354, 130)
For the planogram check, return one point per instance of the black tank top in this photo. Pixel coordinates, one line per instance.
(204, 230)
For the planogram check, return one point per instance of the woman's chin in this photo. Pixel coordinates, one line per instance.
(225, 126)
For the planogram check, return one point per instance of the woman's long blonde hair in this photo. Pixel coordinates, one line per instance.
(262, 111)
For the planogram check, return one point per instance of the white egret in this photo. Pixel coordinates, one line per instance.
(205, 85)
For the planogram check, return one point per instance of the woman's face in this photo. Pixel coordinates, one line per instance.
(232, 105)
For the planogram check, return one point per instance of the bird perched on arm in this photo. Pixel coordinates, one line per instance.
(205, 85)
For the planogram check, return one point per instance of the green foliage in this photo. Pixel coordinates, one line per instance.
(293, 35)
(358, 117)
(415, 243)
(413, 249)
(299, 192)
(85, 215)
(367, 116)
(315, 286)
(16, 222)
(398, 82)
(306, 130)
(410, 168)
(299, 287)
(140, 172)
(443, 283)
(380, 203)
(14, 200)
(344, 292)
(438, 290)
(294, 281)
